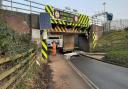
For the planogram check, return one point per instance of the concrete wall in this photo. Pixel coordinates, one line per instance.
(98, 33)
(98, 30)
(83, 43)
(22, 19)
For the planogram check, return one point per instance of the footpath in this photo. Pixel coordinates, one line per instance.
(63, 76)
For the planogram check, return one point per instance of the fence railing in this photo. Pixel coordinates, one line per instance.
(25, 6)
(120, 24)
(12, 69)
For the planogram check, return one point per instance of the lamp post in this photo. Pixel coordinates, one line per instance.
(0, 4)
(104, 6)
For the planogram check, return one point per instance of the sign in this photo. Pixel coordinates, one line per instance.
(44, 21)
(109, 16)
(65, 16)
(45, 35)
(35, 33)
(57, 14)
(36, 36)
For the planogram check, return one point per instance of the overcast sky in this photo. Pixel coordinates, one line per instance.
(119, 8)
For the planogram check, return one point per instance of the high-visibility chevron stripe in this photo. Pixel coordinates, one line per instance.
(82, 19)
(75, 24)
(60, 22)
(62, 28)
(59, 28)
(45, 54)
(94, 40)
(54, 21)
(85, 21)
(51, 8)
(56, 30)
(44, 50)
(64, 23)
(47, 8)
(44, 45)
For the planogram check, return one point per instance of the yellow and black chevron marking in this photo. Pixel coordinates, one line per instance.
(83, 19)
(50, 10)
(61, 22)
(63, 29)
(94, 39)
(59, 29)
(44, 51)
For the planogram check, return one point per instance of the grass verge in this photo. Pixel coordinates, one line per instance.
(38, 77)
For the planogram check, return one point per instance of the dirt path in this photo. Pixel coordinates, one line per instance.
(64, 77)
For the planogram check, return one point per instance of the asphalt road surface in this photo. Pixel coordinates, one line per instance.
(103, 75)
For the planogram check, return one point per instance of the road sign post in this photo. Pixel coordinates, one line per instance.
(44, 26)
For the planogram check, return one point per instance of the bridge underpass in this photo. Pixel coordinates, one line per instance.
(69, 30)
(73, 31)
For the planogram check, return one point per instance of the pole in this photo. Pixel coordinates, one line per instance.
(104, 4)
(44, 48)
(11, 5)
(30, 19)
(0, 4)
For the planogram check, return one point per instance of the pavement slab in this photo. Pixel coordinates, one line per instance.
(64, 77)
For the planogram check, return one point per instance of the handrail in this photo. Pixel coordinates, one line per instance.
(7, 59)
(13, 69)
(30, 8)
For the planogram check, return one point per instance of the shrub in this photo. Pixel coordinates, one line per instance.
(117, 57)
(12, 42)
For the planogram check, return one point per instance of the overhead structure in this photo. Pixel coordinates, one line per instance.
(65, 22)
(66, 28)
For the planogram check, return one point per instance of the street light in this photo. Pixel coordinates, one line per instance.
(104, 4)
(1, 4)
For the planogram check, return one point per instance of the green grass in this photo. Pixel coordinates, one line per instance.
(117, 57)
(115, 44)
(114, 40)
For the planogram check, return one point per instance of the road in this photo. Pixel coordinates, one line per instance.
(104, 75)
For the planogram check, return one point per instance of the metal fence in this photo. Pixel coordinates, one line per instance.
(25, 6)
(119, 24)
